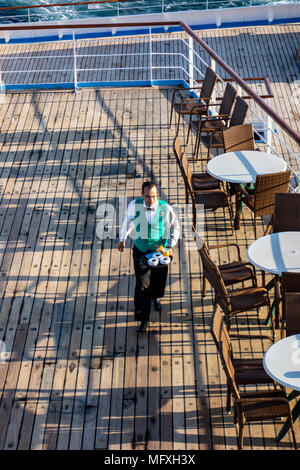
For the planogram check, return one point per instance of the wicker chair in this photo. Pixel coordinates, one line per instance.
(247, 371)
(233, 272)
(238, 300)
(253, 406)
(198, 180)
(286, 217)
(290, 288)
(239, 138)
(225, 108)
(261, 202)
(195, 106)
(210, 198)
(213, 128)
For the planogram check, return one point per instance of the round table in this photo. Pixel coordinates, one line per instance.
(243, 166)
(282, 362)
(276, 253)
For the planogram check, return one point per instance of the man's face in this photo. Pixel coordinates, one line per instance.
(150, 196)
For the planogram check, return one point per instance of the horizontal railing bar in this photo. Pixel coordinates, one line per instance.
(38, 57)
(40, 71)
(134, 68)
(128, 54)
(88, 25)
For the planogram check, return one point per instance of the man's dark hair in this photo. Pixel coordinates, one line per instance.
(150, 185)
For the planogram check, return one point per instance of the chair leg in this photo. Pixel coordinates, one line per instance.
(208, 149)
(186, 196)
(194, 216)
(228, 399)
(204, 286)
(263, 278)
(293, 432)
(172, 109)
(189, 129)
(277, 300)
(197, 140)
(171, 115)
(178, 122)
(197, 144)
(273, 325)
(231, 216)
(241, 434)
(228, 323)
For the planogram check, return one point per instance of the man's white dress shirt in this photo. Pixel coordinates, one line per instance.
(171, 220)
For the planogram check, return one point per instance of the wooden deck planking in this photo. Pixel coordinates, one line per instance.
(81, 381)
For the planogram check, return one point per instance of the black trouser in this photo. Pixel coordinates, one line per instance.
(150, 284)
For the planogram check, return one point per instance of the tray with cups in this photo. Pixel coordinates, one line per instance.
(156, 259)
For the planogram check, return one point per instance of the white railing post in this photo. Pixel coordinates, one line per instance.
(118, 9)
(162, 6)
(28, 14)
(2, 90)
(191, 61)
(75, 63)
(150, 54)
(269, 135)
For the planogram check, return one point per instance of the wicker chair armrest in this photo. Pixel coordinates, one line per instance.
(217, 117)
(199, 102)
(197, 99)
(250, 265)
(263, 290)
(182, 90)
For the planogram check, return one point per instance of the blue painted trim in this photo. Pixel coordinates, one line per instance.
(158, 30)
(42, 86)
(71, 85)
(168, 82)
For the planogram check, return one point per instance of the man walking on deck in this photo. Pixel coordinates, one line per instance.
(151, 222)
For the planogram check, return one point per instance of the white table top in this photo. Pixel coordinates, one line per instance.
(276, 253)
(243, 166)
(282, 362)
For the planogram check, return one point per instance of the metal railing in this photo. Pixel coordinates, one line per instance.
(144, 62)
(117, 8)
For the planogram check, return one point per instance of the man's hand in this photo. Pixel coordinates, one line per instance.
(171, 252)
(121, 247)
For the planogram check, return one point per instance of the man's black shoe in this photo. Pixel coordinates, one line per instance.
(156, 305)
(142, 327)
